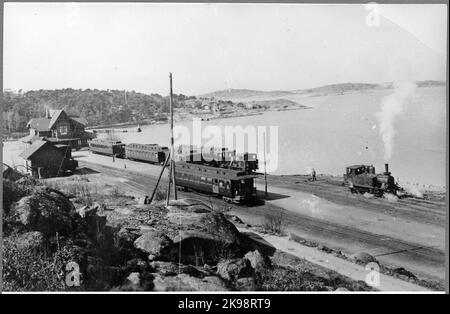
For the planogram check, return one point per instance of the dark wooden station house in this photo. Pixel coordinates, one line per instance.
(45, 159)
(58, 128)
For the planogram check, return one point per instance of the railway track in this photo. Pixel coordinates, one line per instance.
(418, 258)
(429, 211)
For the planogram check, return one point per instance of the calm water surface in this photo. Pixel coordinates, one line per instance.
(343, 130)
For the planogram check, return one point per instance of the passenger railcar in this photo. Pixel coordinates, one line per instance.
(110, 148)
(146, 152)
(232, 185)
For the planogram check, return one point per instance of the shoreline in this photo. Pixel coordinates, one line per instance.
(428, 189)
(128, 125)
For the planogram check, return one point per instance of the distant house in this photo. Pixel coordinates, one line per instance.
(58, 127)
(46, 159)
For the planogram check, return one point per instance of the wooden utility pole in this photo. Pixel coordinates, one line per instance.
(159, 179)
(172, 180)
(169, 159)
(265, 172)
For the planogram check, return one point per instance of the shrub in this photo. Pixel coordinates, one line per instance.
(117, 192)
(274, 223)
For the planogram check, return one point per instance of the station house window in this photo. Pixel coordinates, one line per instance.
(63, 130)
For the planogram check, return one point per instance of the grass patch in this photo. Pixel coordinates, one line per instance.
(160, 194)
(30, 270)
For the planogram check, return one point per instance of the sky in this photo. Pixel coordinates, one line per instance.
(208, 47)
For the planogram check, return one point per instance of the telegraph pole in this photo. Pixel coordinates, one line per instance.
(172, 161)
(265, 172)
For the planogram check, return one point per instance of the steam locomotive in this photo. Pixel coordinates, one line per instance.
(362, 178)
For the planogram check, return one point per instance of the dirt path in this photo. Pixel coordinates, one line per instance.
(346, 268)
(425, 261)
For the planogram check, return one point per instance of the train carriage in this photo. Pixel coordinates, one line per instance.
(110, 148)
(146, 152)
(220, 157)
(233, 185)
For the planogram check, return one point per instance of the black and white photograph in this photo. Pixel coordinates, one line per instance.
(224, 148)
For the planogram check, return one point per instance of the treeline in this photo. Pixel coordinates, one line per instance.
(96, 106)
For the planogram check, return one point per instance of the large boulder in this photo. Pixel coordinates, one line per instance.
(47, 211)
(257, 261)
(154, 243)
(185, 282)
(363, 258)
(234, 269)
(127, 236)
(14, 191)
(204, 238)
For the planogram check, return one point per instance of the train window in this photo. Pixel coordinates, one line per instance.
(209, 180)
(228, 186)
(215, 181)
(203, 178)
(221, 183)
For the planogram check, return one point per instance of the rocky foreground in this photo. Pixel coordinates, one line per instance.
(118, 244)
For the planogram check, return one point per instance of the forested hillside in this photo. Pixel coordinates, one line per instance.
(96, 106)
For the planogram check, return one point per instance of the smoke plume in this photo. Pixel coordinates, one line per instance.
(391, 107)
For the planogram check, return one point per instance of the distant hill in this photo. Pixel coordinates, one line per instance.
(95, 106)
(244, 93)
(430, 83)
(321, 90)
(342, 88)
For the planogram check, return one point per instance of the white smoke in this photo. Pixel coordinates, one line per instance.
(391, 107)
(413, 190)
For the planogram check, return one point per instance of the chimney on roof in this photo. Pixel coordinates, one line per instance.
(47, 113)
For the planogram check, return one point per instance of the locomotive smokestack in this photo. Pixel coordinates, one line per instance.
(386, 168)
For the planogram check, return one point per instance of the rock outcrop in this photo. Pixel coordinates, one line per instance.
(234, 269)
(154, 243)
(204, 237)
(185, 282)
(45, 211)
